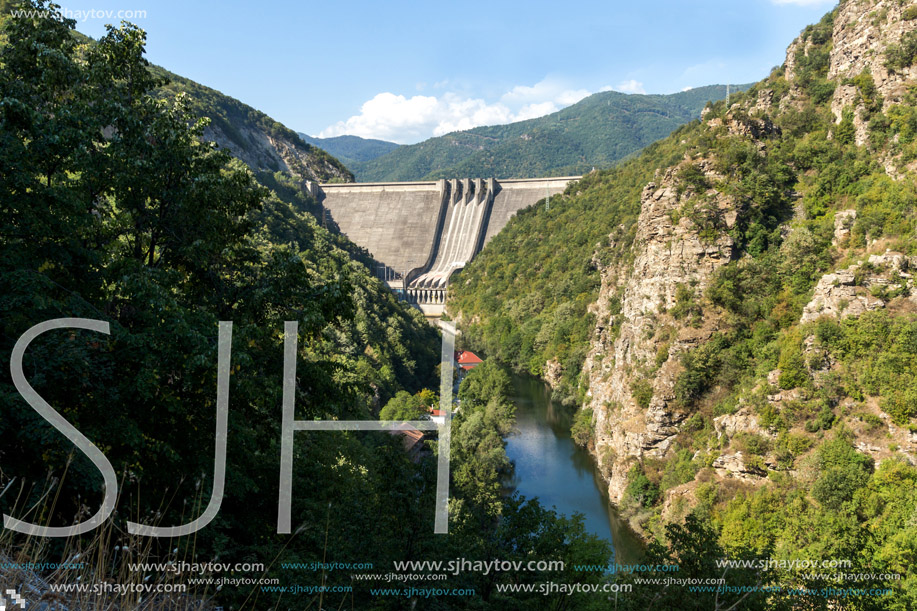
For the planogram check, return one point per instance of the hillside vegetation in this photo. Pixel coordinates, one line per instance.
(755, 398)
(250, 135)
(116, 208)
(595, 132)
(351, 150)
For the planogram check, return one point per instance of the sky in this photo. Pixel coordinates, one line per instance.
(406, 70)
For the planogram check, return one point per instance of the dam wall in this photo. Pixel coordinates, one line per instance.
(420, 233)
(467, 214)
(514, 195)
(398, 223)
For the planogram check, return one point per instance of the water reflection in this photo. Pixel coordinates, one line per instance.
(557, 471)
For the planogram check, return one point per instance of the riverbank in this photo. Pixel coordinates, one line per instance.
(549, 466)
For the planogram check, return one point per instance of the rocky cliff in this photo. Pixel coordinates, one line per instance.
(863, 33)
(253, 137)
(260, 150)
(654, 308)
(634, 359)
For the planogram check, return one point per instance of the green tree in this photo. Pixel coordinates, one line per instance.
(404, 406)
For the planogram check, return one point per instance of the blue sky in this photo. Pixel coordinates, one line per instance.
(405, 71)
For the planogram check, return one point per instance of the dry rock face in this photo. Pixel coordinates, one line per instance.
(552, 373)
(264, 152)
(735, 464)
(859, 288)
(743, 421)
(862, 33)
(669, 253)
(843, 221)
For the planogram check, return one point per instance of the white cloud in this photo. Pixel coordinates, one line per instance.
(388, 116)
(805, 2)
(533, 111)
(409, 119)
(631, 86)
(571, 96)
(548, 89)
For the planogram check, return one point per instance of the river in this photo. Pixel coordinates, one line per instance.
(549, 466)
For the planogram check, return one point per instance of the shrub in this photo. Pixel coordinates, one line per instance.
(900, 56)
(690, 175)
(872, 421)
(824, 420)
(679, 470)
(901, 404)
(750, 443)
(842, 471)
(845, 131)
(662, 354)
(793, 372)
(582, 430)
(694, 423)
(685, 304)
(642, 392)
(867, 93)
(797, 444)
(701, 366)
(639, 487)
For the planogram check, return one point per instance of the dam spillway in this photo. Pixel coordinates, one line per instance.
(421, 233)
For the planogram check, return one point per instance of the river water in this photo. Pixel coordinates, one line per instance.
(549, 466)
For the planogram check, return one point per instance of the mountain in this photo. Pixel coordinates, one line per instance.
(256, 139)
(734, 313)
(352, 149)
(161, 266)
(251, 136)
(595, 132)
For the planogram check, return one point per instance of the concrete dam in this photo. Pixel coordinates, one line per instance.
(421, 233)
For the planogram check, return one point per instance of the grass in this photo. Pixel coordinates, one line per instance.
(100, 562)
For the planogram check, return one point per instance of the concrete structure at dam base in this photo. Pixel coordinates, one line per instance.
(421, 233)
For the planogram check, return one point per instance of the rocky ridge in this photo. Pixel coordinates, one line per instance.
(862, 30)
(639, 345)
(266, 152)
(634, 359)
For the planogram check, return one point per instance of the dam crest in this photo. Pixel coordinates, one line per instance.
(421, 233)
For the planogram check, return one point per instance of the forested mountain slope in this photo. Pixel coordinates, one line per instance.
(594, 132)
(252, 136)
(351, 150)
(116, 208)
(734, 312)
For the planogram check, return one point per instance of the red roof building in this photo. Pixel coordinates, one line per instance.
(411, 439)
(467, 359)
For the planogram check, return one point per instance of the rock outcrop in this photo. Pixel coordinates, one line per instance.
(638, 347)
(863, 32)
(843, 220)
(265, 152)
(862, 287)
(642, 333)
